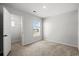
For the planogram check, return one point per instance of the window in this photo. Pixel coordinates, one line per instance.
(36, 28)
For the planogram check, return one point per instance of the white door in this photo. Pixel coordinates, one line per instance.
(6, 33)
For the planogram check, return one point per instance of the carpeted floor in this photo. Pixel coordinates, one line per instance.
(43, 48)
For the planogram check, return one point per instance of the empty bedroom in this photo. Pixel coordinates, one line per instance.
(39, 29)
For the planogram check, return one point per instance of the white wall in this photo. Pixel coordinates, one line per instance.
(27, 33)
(78, 28)
(27, 28)
(62, 28)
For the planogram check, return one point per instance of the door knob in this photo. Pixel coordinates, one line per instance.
(5, 35)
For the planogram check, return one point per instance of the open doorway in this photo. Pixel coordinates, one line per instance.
(16, 29)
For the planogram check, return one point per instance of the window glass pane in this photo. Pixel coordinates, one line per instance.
(36, 28)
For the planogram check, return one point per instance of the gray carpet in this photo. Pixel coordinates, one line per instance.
(43, 48)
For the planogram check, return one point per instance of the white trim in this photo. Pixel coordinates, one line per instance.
(63, 43)
(78, 28)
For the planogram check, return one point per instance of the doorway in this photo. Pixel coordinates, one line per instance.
(16, 29)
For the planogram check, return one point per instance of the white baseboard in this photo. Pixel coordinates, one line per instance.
(63, 43)
(32, 42)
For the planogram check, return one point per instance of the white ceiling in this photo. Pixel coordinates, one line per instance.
(50, 10)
